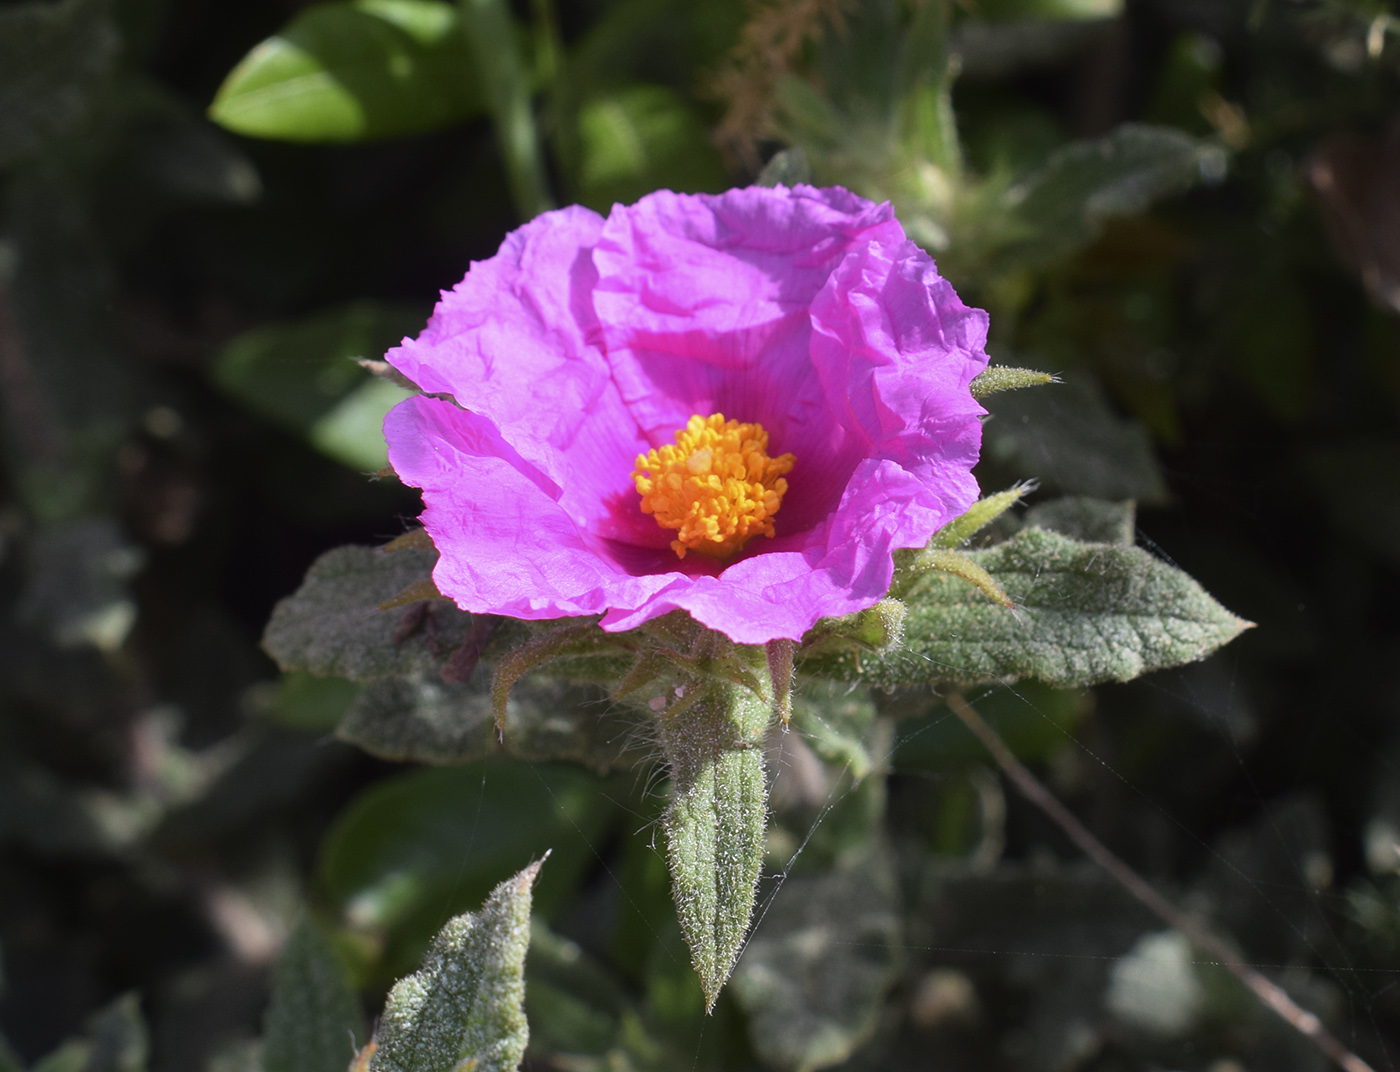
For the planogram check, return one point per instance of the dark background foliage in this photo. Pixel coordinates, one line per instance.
(1232, 358)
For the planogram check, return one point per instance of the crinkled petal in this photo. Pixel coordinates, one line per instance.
(506, 544)
(895, 349)
(584, 342)
(517, 342)
(704, 300)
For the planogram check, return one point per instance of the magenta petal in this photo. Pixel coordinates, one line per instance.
(517, 342)
(507, 545)
(585, 341)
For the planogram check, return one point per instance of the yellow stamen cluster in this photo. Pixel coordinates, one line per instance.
(716, 487)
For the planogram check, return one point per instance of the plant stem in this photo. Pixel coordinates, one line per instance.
(1272, 995)
(507, 86)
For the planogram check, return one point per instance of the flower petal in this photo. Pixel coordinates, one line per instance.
(517, 342)
(507, 545)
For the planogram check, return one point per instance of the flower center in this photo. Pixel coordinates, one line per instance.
(716, 487)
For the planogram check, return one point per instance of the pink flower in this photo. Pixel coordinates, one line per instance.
(586, 343)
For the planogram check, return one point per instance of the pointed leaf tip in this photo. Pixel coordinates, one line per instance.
(464, 1009)
(715, 824)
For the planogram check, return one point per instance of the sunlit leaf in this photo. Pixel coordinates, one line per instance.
(641, 138)
(302, 375)
(1084, 613)
(344, 72)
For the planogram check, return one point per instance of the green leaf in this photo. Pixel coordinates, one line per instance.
(1089, 520)
(305, 701)
(464, 1010)
(1064, 204)
(116, 1040)
(9, 1060)
(1069, 437)
(1032, 718)
(422, 718)
(301, 375)
(1050, 9)
(348, 72)
(313, 1023)
(53, 59)
(332, 624)
(815, 973)
(714, 826)
(639, 139)
(1085, 613)
(835, 720)
(412, 847)
(353, 432)
(574, 1005)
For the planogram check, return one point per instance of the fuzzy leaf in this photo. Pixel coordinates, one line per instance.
(346, 72)
(333, 626)
(422, 718)
(1090, 520)
(814, 975)
(715, 823)
(53, 57)
(313, 1023)
(1085, 613)
(464, 1010)
(996, 378)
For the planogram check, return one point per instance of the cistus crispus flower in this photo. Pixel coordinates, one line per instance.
(737, 405)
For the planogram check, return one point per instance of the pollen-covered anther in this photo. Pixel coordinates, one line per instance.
(716, 487)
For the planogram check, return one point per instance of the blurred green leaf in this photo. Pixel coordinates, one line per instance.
(306, 701)
(1032, 718)
(815, 972)
(72, 1056)
(574, 1006)
(1085, 613)
(1064, 204)
(115, 1040)
(643, 138)
(416, 846)
(301, 375)
(835, 720)
(505, 82)
(53, 58)
(464, 1009)
(1049, 9)
(353, 432)
(313, 1023)
(1067, 436)
(346, 72)
(332, 624)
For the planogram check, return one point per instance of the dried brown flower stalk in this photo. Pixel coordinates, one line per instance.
(770, 45)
